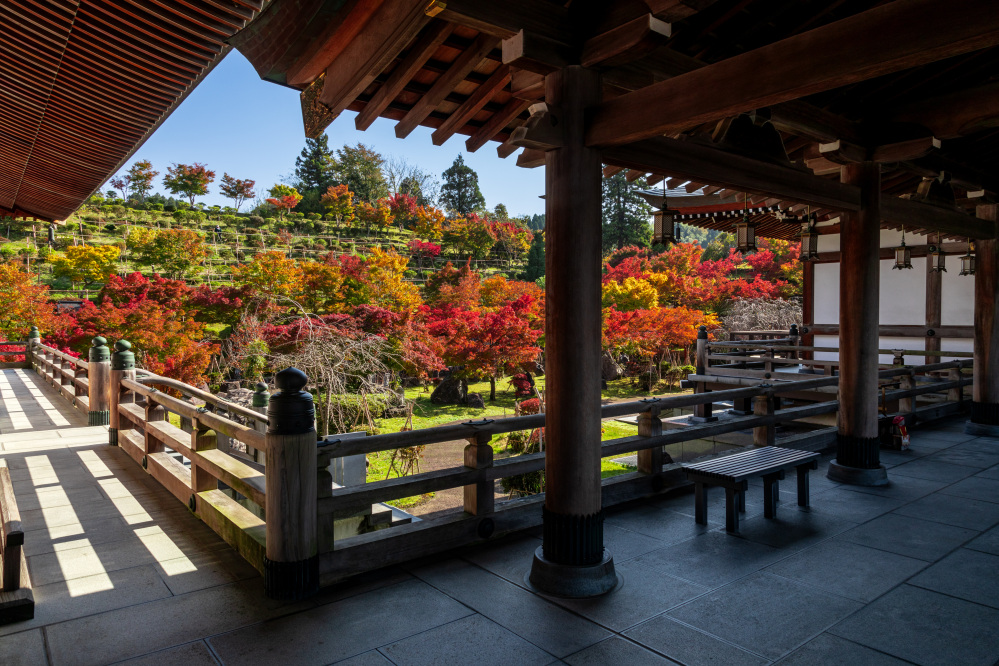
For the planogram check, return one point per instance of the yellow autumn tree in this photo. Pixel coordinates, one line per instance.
(632, 294)
(270, 273)
(87, 263)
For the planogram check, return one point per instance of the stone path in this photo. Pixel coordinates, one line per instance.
(903, 574)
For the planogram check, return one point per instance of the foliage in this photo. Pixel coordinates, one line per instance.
(239, 190)
(470, 236)
(360, 169)
(271, 274)
(141, 175)
(762, 314)
(626, 216)
(23, 303)
(429, 223)
(423, 249)
(315, 166)
(177, 252)
(87, 263)
(191, 180)
(284, 198)
(378, 216)
(632, 294)
(535, 258)
(460, 189)
(338, 201)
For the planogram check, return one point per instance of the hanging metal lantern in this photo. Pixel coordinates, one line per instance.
(903, 255)
(809, 241)
(664, 227)
(745, 231)
(968, 261)
(937, 259)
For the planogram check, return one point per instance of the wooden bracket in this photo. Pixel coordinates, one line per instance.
(536, 53)
(842, 152)
(626, 43)
(542, 131)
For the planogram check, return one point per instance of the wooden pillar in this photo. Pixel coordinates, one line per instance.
(99, 382)
(122, 367)
(291, 565)
(857, 453)
(479, 496)
(261, 398)
(573, 546)
(985, 393)
(807, 307)
(934, 296)
(702, 412)
(34, 338)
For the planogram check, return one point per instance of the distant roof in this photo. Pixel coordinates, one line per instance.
(83, 84)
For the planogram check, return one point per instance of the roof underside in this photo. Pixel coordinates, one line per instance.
(445, 65)
(84, 83)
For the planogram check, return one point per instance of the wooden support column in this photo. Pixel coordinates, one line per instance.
(34, 338)
(857, 454)
(99, 382)
(572, 560)
(808, 308)
(479, 496)
(985, 396)
(934, 296)
(122, 367)
(291, 565)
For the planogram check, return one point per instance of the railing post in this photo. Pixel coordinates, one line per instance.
(99, 382)
(794, 341)
(479, 496)
(650, 460)
(261, 398)
(291, 564)
(34, 338)
(202, 439)
(955, 394)
(907, 406)
(702, 412)
(764, 435)
(122, 367)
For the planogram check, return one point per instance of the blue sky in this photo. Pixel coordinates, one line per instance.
(234, 122)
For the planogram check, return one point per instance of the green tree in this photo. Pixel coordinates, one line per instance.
(460, 189)
(191, 180)
(626, 216)
(315, 172)
(142, 175)
(500, 212)
(360, 169)
(535, 259)
(239, 190)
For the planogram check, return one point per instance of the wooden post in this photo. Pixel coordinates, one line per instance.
(765, 435)
(479, 496)
(907, 405)
(702, 413)
(122, 367)
(202, 439)
(794, 341)
(985, 393)
(955, 394)
(650, 461)
(34, 338)
(808, 308)
(261, 398)
(99, 382)
(291, 564)
(857, 452)
(934, 298)
(572, 560)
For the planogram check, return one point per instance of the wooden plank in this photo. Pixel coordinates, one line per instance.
(171, 473)
(478, 99)
(132, 443)
(496, 123)
(986, 368)
(955, 114)
(171, 436)
(527, 85)
(530, 158)
(918, 215)
(237, 526)
(445, 84)
(677, 10)
(350, 499)
(505, 19)
(393, 26)
(417, 57)
(837, 54)
(326, 47)
(11, 533)
(627, 42)
(18, 605)
(239, 476)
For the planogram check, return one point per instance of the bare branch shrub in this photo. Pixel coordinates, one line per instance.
(761, 314)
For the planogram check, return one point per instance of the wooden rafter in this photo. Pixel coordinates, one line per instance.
(496, 123)
(460, 117)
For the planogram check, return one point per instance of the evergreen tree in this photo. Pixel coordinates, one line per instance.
(535, 259)
(314, 166)
(460, 190)
(627, 218)
(500, 212)
(360, 168)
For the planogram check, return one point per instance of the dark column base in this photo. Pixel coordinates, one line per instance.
(985, 413)
(291, 580)
(574, 582)
(857, 476)
(703, 419)
(980, 429)
(113, 436)
(862, 452)
(98, 418)
(573, 540)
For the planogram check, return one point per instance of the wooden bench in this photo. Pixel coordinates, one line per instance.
(733, 473)
(17, 603)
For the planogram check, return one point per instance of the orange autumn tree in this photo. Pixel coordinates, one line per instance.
(339, 204)
(272, 274)
(23, 303)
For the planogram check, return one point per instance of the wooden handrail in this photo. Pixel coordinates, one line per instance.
(210, 398)
(79, 362)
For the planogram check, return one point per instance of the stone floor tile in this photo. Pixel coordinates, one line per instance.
(29, 499)
(904, 488)
(968, 574)
(830, 650)
(957, 511)
(912, 537)
(645, 593)
(853, 507)
(616, 650)
(470, 640)
(765, 614)
(975, 487)
(896, 458)
(63, 601)
(927, 628)
(200, 569)
(968, 456)
(190, 654)
(25, 648)
(625, 544)
(987, 542)
(941, 435)
(931, 469)
(664, 525)
(371, 658)
(712, 559)
(793, 528)
(140, 629)
(848, 569)
(528, 615)
(339, 630)
(688, 645)
(990, 473)
(510, 558)
(361, 584)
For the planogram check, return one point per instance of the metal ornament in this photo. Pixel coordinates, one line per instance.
(968, 261)
(809, 239)
(903, 255)
(935, 255)
(664, 224)
(745, 231)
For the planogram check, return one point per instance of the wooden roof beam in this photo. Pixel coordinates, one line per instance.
(611, 170)
(531, 158)
(478, 99)
(455, 74)
(505, 19)
(320, 52)
(625, 43)
(956, 114)
(506, 149)
(525, 84)
(676, 10)
(853, 49)
(422, 50)
(496, 123)
(536, 53)
(653, 179)
(633, 175)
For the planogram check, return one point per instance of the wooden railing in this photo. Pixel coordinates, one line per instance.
(13, 354)
(287, 509)
(67, 373)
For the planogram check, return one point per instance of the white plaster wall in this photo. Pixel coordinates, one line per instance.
(900, 343)
(957, 345)
(902, 295)
(957, 307)
(825, 292)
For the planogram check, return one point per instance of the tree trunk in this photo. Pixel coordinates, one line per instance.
(492, 388)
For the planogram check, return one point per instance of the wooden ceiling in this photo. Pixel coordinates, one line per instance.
(83, 83)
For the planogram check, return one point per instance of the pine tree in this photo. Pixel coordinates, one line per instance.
(460, 190)
(360, 168)
(535, 259)
(626, 216)
(314, 166)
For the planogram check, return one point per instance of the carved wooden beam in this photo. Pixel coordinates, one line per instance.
(529, 159)
(542, 131)
(536, 53)
(626, 42)
(506, 18)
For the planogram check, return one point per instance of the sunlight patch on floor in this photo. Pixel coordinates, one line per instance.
(171, 558)
(54, 414)
(78, 559)
(12, 408)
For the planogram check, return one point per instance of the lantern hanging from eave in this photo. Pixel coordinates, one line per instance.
(936, 258)
(903, 255)
(664, 224)
(968, 261)
(809, 239)
(745, 231)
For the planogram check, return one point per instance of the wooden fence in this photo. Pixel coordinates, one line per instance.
(283, 513)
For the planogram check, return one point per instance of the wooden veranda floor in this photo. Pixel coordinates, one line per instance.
(904, 574)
